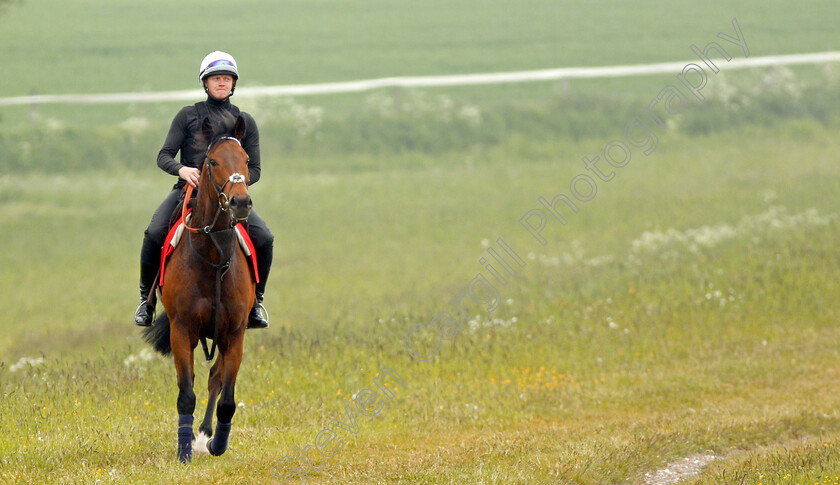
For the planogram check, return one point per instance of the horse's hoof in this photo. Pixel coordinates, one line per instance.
(215, 450)
(219, 443)
(200, 443)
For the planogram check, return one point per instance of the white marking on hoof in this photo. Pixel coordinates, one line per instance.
(200, 443)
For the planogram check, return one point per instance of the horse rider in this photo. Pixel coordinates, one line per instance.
(218, 73)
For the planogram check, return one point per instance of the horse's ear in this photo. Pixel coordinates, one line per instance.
(207, 130)
(239, 128)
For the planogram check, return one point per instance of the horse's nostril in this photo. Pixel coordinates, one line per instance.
(241, 206)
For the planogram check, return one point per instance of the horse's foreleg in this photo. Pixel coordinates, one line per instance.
(182, 353)
(214, 385)
(231, 359)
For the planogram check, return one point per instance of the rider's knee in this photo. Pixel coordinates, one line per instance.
(154, 237)
(262, 237)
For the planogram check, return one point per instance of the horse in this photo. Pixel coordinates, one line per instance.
(209, 289)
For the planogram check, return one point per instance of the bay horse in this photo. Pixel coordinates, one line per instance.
(209, 289)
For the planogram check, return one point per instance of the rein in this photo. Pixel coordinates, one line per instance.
(224, 265)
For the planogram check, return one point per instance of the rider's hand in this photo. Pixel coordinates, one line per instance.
(190, 175)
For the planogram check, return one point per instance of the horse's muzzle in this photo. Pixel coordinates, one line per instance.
(240, 207)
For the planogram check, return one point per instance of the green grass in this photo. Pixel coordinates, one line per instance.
(93, 46)
(689, 308)
(622, 357)
(156, 45)
(407, 126)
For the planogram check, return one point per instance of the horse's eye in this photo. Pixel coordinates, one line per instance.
(213, 163)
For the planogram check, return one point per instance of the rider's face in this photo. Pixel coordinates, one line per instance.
(219, 86)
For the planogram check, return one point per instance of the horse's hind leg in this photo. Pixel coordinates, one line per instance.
(205, 431)
(182, 353)
(231, 357)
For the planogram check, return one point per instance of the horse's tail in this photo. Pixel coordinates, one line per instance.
(157, 334)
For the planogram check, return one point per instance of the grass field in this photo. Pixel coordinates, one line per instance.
(296, 41)
(689, 307)
(689, 310)
(95, 46)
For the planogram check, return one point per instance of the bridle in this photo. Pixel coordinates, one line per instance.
(221, 196)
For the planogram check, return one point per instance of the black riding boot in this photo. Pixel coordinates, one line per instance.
(255, 318)
(149, 267)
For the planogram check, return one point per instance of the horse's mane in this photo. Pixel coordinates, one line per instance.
(222, 123)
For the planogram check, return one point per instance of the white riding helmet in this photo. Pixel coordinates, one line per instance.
(218, 62)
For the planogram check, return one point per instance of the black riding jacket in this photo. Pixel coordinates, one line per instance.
(187, 126)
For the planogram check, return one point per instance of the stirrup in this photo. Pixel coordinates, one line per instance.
(263, 313)
(139, 307)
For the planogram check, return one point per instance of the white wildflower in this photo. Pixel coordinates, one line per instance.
(53, 124)
(470, 114)
(26, 361)
(135, 124)
(143, 356)
(600, 260)
(665, 243)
